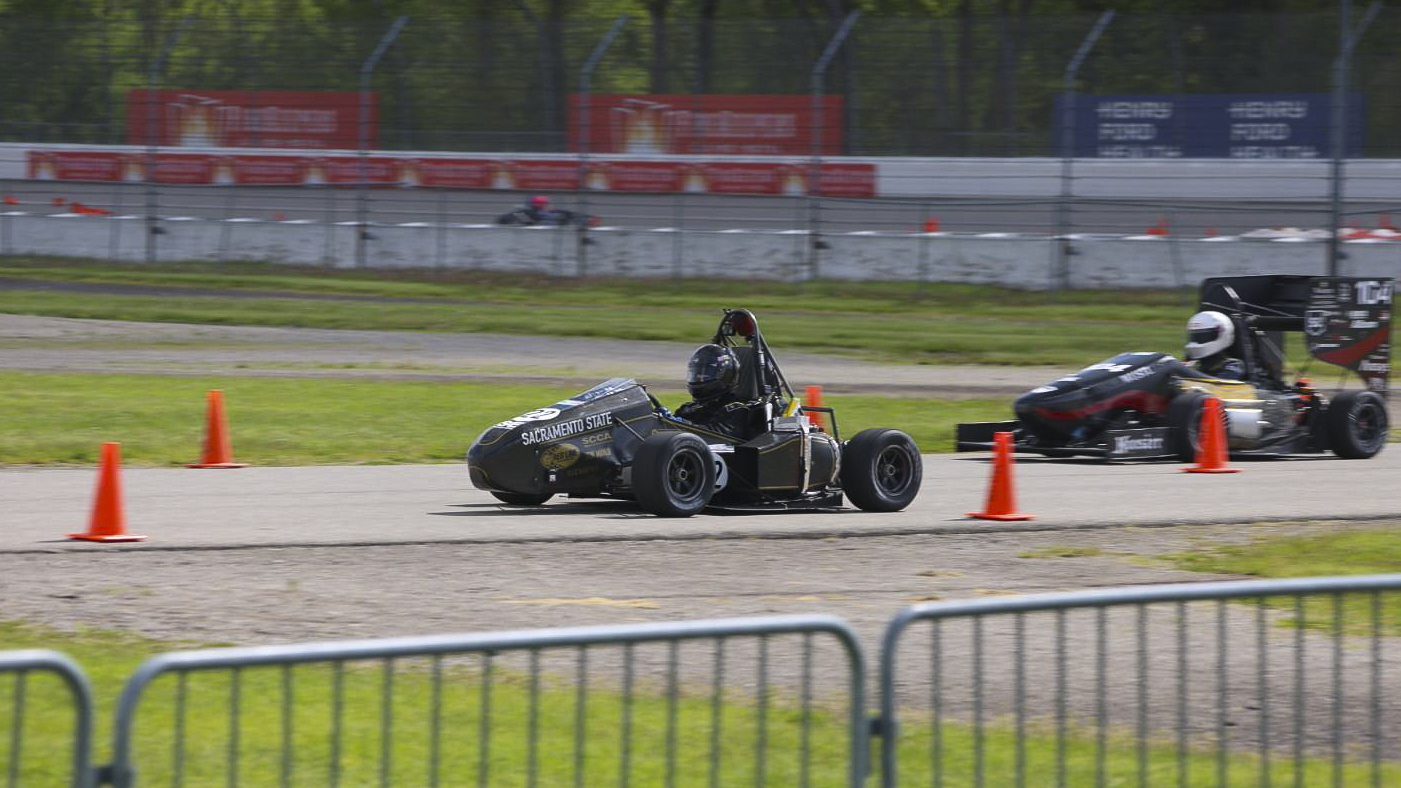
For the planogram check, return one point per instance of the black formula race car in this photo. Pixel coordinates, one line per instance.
(1149, 405)
(617, 441)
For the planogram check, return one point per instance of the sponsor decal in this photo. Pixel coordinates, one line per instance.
(1130, 444)
(1316, 322)
(596, 438)
(540, 414)
(566, 429)
(559, 456)
(600, 454)
(1138, 374)
(1374, 366)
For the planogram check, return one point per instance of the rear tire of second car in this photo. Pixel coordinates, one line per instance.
(673, 474)
(1357, 424)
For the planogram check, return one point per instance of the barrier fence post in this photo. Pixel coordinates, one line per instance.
(153, 126)
(362, 218)
(585, 129)
(814, 189)
(1060, 276)
(1342, 68)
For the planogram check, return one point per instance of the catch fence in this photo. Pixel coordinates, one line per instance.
(1014, 123)
(1279, 682)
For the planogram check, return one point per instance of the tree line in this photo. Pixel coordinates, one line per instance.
(919, 77)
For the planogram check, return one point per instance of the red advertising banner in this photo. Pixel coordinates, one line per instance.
(636, 176)
(726, 124)
(791, 179)
(248, 118)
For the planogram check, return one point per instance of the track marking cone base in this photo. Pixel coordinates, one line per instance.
(1211, 450)
(218, 451)
(1002, 494)
(108, 521)
(815, 399)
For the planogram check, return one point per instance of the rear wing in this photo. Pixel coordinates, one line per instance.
(1345, 321)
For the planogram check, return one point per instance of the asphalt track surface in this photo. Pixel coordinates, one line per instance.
(435, 504)
(1031, 214)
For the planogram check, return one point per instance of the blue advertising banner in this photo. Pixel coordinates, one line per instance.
(1208, 125)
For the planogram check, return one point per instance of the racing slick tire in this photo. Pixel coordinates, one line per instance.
(881, 470)
(673, 474)
(1184, 421)
(1357, 424)
(522, 499)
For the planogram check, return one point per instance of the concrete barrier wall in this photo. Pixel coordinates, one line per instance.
(1015, 261)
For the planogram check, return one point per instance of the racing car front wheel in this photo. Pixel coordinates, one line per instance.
(881, 470)
(1357, 424)
(521, 499)
(1184, 421)
(673, 474)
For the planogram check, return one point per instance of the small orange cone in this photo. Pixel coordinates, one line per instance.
(1161, 228)
(1002, 494)
(931, 225)
(815, 399)
(218, 451)
(10, 199)
(1211, 450)
(59, 201)
(108, 522)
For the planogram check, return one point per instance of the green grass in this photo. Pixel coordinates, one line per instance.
(64, 418)
(1347, 551)
(1062, 551)
(907, 322)
(110, 657)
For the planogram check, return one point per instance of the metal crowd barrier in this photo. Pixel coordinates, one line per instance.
(1142, 686)
(1170, 685)
(21, 664)
(543, 686)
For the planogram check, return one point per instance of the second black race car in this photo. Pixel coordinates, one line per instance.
(1149, 405)
(616, 441)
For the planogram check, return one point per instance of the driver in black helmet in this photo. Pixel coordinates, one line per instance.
(712, 377)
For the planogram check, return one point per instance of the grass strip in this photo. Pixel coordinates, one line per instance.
(1348, 551)
(911, 323)
(64, 418)
(188, 734)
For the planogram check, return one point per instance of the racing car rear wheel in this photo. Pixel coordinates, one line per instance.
(881, 470)
(521, 499)
(1357, 424)
(1184, 421)
(673, 474)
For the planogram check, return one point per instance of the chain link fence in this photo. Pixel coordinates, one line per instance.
(1193, 126)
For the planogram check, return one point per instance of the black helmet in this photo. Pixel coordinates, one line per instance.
(713, 371)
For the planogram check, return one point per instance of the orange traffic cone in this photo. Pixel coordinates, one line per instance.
(1002, 494)
(1211, 449)
(815, 399)
(218, 451)
(1161, 228)
(931, 225)
(108, 522)
(10, 199)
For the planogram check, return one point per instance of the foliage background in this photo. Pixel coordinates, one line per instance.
(920, 77)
